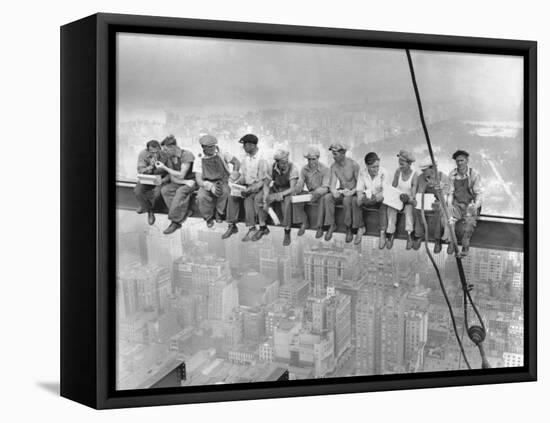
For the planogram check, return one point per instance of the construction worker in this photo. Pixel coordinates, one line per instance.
(428, 184)
(370, 194)
(344, 173)
(284, 176)
(465, 196)
(212, 173)
(405, 180)
(315, 176)
(254, 170)
(177, 193)
(147, 195)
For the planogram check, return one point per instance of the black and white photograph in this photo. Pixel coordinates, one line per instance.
(297, 211)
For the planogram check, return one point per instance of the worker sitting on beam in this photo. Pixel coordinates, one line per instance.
(429, 184)
(405, 180)
(253, 171)
(344, 173)
(212, 173)
(147, 195)
(284, 176)
(370, 194)
(315, 176)
(177, 193)
(465, 195)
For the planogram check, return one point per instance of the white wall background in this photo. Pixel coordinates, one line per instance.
(29, 240)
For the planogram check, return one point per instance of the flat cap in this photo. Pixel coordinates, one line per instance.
(337, 147)
(460, 153)
(169, 140)
(425, 163)
(208, 140)
(281, 155)
(406, 155)
(312, 152)
(251, 138)
(371, 157)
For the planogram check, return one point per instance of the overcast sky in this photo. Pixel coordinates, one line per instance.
(158, 73)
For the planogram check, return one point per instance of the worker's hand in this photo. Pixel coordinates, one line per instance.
(217, 189)
(189, 182)
(471, 210)
(452, 220)
(266, 205)
(207, 185)
(412, 202)
(361, 199)
(348, 192)
(160, 165)
(404, 198)
(379, 197)
(336, 194)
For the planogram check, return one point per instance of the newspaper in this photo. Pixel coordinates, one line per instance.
(391, 197)
(236, 189)
(429, 199)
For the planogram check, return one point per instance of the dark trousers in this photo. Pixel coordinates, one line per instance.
(178, 198)
(210, 204)
(299, 214)
(147, 195)
(286, 209)
(252, 205)
(458, 211)
(353, 216)
(382, 213)
(439, 223)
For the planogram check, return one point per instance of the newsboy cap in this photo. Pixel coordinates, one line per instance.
(208, 140)
(406, 155)
(312, 153)
(251, 138)
(460, 153)
(281, 155)
(337, 147)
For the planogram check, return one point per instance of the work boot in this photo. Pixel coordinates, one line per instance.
(231, 229)
(151, 217)
(219, 218)
(437, 246)
(140, 210)
(249, 234)
(417, 243)
(172, 228)
(382, 241)
(349, 234)
(389, 241)
(450, 248)
(359, 235)
(409, 241)
(320, 232)
(328, 235)
(286, 240)
(210, 223)
(303, 228)
(264, 230)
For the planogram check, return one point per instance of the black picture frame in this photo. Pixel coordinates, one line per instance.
(88, 209)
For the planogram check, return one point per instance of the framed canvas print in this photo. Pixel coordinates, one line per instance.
(257, 211)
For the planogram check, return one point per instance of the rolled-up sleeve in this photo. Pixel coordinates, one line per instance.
(142, 162)
(263, 170)
(361, 182)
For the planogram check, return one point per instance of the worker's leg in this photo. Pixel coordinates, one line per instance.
(418, 225)
(259, 207)
(330, 209)
(250, 211)
(144, 196)
(348, 210)
(357, 214)
(233, 209)
(179, 206)
(321, 204)
(221, 201)
(409, 218)
(206, 201)
(392, 220)
(298, 212)
(168, 192)
(286, 205)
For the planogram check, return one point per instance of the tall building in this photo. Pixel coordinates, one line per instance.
(416, 333)
(223, 297)
(327, 266)
(144, 287)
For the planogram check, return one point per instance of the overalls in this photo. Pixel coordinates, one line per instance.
(214, 170)
(281, 182)
(463, 197)
(178, 196)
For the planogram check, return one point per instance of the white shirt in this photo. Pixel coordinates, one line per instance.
(369, 185)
